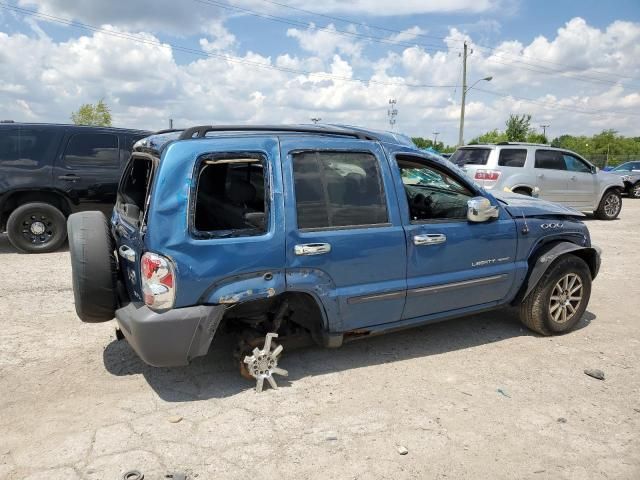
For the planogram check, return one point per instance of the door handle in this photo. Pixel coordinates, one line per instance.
(69, 178)
(312, 249)
(127, 253)
(574, 178)
(429, 239)
(541, 175)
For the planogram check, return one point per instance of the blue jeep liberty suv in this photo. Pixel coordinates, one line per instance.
(322, 232)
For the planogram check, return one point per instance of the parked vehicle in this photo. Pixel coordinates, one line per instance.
(323, 232)
(549, 173)
(630, 174)
(48, 171)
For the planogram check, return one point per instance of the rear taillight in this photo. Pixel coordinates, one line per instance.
(158, 286)
(491, 175)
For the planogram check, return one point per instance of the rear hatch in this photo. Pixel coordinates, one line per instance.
(128, 220)
(473, 161)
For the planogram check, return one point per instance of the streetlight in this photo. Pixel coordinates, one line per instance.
(435, 138)
(464, 97)
(315, 120)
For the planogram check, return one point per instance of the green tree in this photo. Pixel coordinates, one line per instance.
(89, 114)
(494, 136)
(518, 127)
(424, 143)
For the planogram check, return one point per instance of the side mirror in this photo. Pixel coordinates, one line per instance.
(479, 209)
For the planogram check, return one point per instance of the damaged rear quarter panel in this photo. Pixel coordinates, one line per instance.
(236, 265)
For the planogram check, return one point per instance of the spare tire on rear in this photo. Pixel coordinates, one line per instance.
(93, 266)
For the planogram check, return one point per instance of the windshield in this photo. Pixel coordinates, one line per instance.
(470, 156)
(625, 167)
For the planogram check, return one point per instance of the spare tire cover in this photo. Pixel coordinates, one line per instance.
(93, 266)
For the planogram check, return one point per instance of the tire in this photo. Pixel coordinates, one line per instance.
(539, 310)
(93, 266)
(522, 191)
(634, 191)
(610, 206)
(37, 228)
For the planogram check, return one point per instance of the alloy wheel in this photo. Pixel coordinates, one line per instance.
(612, 205)
(566, 298)
(635, 192)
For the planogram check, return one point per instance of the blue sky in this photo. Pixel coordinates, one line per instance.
(573, 64)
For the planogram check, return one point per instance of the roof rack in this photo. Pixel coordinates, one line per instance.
(167, 130)
(521, 143)
(202, 130)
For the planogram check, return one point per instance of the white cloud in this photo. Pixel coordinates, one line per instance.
(408, 34)
(179, 17)
(324, 42)
(145, 86)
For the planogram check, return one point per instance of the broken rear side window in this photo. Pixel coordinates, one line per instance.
(231, 198)
(134, 188)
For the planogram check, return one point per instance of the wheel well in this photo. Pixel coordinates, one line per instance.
(609, 189)
(14, 200)
(299, 308)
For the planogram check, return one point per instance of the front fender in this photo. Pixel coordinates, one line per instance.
(591, 255)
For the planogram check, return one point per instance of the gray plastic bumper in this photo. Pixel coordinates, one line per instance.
(172, 338)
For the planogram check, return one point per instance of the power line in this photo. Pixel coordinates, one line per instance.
(226, 57)
(301, 24)
(517, 58)
(233, 59)
(555, 105)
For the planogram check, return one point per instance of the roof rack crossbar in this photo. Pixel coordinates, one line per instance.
(201, 130)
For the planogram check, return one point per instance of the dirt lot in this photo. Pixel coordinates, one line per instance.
(478, 397)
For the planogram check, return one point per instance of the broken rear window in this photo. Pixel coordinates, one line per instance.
(231, 198)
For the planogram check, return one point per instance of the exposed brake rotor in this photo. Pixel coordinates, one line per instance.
(263, 363)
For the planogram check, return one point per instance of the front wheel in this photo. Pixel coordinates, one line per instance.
(634, 191)
(560, 298)
(610, 206)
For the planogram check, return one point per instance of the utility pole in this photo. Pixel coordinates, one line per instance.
(392, 112)
(171, 123)
(544, 130)
(464, 94)
(315, 120)
(435, 138)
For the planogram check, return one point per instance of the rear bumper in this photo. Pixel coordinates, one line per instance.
(172, 338)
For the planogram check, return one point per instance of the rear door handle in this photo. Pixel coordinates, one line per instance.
(127, 253)
(312, 249)
(574, 178)
(541, 175)
(69, 178)
(429, 239)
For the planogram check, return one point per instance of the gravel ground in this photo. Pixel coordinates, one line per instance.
(478, 397)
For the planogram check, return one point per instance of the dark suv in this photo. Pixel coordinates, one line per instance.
(49, 171)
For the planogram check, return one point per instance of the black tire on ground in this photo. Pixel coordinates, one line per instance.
(93, 266)
(610, 206)
(522, 191)
(634, 191)
(37, 228)
(539, 310)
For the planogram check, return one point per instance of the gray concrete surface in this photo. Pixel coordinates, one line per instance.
(74, 403)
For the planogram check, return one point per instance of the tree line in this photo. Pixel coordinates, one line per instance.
(602, 148)
(606, 147)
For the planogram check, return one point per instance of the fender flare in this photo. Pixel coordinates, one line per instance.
(591, 255)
